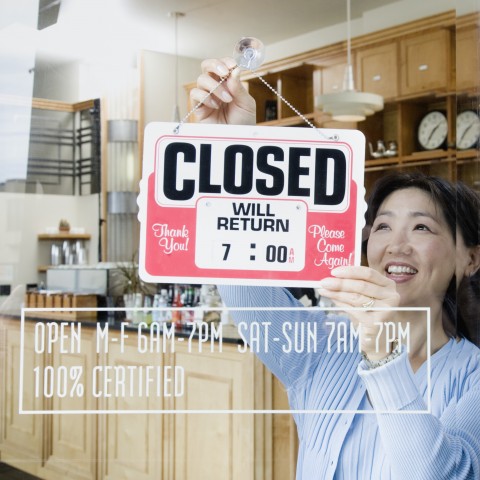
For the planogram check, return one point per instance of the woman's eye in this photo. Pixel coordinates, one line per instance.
(422, 228)
(381, 226)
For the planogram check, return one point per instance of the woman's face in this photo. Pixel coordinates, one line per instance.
(411, 243)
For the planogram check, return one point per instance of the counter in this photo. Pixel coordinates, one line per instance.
(100, 431)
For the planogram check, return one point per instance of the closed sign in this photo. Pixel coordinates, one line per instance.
(250, 205)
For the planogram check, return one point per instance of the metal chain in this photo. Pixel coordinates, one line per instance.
(198, 105)
(297, 112)
(283, 99)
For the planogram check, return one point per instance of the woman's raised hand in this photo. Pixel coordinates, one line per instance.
(230, 103)
(364, 287)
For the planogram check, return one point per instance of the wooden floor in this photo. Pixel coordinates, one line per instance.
(9, 473)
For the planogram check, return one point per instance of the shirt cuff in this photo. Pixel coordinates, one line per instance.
(392, 386)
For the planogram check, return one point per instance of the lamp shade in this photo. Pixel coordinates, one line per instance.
(349, 105)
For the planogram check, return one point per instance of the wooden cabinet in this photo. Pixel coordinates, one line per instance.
(22, 436)
(333, 76)
(413, 67)
(132, 443)
(48, 446)
(72, 450)
(377, 70)
(220, 445)
(426, 62)
(468, 56)
(468, 81)
(224, 439)
(294, 84)
(130, 437)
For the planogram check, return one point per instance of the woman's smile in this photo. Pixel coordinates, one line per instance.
(400, 272)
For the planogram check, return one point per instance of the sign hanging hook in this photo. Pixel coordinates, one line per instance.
(249, 53)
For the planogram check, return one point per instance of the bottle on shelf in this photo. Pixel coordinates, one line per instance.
(147, 314)
(188, 316)
(170, 296)
(176, 304)
(138, 314)
(198, 312)
(160, 301)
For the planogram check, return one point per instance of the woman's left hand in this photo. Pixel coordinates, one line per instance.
(365, 287)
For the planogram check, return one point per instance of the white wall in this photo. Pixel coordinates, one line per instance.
(23, 217)
(159, 84)
(56, 81)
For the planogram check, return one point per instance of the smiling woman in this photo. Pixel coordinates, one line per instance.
(419, 256)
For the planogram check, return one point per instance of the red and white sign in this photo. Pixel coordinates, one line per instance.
(226, 204)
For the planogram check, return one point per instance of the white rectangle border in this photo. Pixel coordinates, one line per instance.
(22, 411)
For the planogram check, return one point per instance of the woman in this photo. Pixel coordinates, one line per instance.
(418, 257)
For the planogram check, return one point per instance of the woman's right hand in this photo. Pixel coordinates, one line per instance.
(230, 103)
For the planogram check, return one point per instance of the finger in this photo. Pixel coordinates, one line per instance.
(343, 298)
(235, 85)
(198, 96)
(228, 69)
(203, 113)
(362, 273)
(208, 84)
(218, 66)
(357, 289)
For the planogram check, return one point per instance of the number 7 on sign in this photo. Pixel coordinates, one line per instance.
(227, 250)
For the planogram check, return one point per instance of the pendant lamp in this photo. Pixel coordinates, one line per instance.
(349, 105)
(176, 109)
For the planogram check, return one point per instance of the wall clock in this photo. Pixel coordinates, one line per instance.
(468, 129)
(432, 131)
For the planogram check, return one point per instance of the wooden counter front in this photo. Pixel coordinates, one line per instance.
(170, 446)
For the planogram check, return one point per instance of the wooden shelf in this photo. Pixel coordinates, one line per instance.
(409, 163)
(468, 154)
(293, 121)
(64, 236)
(427, 155)
(376, 162)
(43, 251)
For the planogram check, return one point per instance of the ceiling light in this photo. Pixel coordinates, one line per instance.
(176, 109)
(349, 105)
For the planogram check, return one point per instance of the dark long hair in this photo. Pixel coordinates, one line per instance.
(460, 206)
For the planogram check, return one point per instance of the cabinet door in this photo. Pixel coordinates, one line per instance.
(284, 436)
(377, 70)
(332, 78)
(215, 445)
(132, 443)
(467, 58)
(72, 450)
(296, 86)
(425, 61)
(21, 438)
(267, 103)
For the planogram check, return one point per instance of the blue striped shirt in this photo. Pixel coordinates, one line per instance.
(341, 443)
